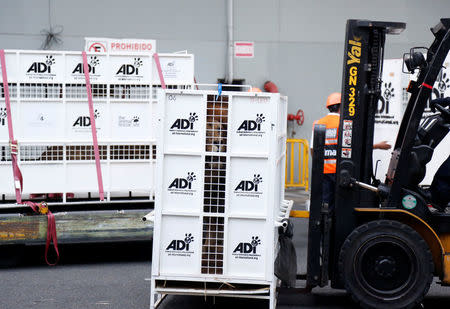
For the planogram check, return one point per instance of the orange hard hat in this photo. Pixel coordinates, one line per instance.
(254, 89)
(333, 99)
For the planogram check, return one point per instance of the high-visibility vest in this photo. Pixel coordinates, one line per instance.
(331, 121)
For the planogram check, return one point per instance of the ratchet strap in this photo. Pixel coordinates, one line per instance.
(42, 209)
(93, 127)
(158, 67)
(18, 180)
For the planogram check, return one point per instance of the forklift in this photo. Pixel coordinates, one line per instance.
(382, 241)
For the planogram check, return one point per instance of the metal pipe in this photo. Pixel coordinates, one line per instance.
(229, 77)
(366, 186)
(150, 216)
(282, 223)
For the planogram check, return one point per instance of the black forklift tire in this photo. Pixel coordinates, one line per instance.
(386, 264)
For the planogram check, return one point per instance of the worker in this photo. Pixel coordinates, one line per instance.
(331, 121)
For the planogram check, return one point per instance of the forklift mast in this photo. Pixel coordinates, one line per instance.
(361, 89)
(361, 82)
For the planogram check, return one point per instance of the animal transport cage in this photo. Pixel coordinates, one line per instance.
(52, 124)
(219, 201)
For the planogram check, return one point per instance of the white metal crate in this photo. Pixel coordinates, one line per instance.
(221, 165)
(52, 124)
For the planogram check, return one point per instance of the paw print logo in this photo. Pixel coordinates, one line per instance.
(50, 60)
(257, 179)
(138, 62)
(94, 61)
(135, 119)
(96, 114)
(260, 118)
(388, 91)
(188, 238)
(255, 241)
(191, 177)
(193, 117)
(444, 83)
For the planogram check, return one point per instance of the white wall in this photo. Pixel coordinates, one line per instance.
(298, 43)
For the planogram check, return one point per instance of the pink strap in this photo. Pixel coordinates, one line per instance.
(93, 127)
(51, 236)
(158, 67)
(195, 82)
(18, 181)
(42, 208)
(51, 226)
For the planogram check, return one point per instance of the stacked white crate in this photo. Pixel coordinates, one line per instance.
(221, 231)
(391, 107)
(51, 122)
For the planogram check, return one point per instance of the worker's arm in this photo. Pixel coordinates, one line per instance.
(382, 145)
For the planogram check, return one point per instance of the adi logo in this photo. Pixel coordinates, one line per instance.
(439, 90)
(183, 185)
(249, 185)
(85, 121)
(130, 69)
(443, 83)
(93, 62)
(42, 67)
(248, 250)
(388, 94)
(252, 125)
(181, 247)
(184, 126)
(181, 244)
(249, 188)
(384, 115)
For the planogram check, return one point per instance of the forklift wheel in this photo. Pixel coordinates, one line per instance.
(386, 264)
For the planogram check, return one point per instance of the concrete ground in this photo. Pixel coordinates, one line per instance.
(117, 276)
